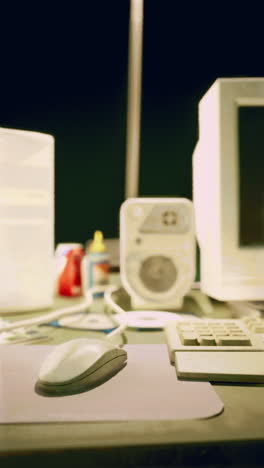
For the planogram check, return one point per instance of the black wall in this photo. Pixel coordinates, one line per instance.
(64, 72)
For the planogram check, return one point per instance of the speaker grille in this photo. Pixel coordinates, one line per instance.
(158, 273)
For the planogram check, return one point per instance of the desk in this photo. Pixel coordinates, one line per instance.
(234, 438)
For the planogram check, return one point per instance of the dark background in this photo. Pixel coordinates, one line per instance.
(64, 72)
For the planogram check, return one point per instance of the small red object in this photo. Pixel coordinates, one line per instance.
(70, 280)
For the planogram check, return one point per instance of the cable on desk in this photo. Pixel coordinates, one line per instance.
(51, 315)
(116, 308)
(108, 291)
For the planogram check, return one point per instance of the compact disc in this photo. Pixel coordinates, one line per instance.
(151, 319)
(86, 321)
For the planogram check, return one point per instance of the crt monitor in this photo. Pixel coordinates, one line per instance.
(228, 189)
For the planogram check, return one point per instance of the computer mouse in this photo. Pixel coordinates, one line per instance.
(79, 365)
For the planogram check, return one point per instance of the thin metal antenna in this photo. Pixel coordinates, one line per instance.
(134, 98)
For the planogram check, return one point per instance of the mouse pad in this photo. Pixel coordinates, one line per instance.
(146, 389)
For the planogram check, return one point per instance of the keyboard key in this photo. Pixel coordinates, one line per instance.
(185, 328)
(206, 334)
(189, 339)
(258, 328)
(233, 341)
(221, 333)
(239, 333)
(232, 327)
(207, 341)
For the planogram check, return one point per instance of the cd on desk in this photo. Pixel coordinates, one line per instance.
(150, 319)
(84, 321)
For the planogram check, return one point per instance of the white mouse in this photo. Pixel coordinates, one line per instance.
(79, 365)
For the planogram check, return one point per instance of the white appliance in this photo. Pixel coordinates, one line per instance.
(26, 220)
(228, 189)
(157, 251)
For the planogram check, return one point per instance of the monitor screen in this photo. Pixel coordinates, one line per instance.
(251, 175)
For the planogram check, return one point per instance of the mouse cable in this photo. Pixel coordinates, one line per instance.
(108, 291)
(49, 316)
(63, 312)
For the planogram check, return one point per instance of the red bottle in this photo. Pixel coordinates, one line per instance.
(70, 281)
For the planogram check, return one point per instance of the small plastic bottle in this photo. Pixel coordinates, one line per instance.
(96, 264)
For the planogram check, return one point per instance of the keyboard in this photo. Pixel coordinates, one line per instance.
(218, 350)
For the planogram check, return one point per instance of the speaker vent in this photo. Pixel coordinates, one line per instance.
(158, 273)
